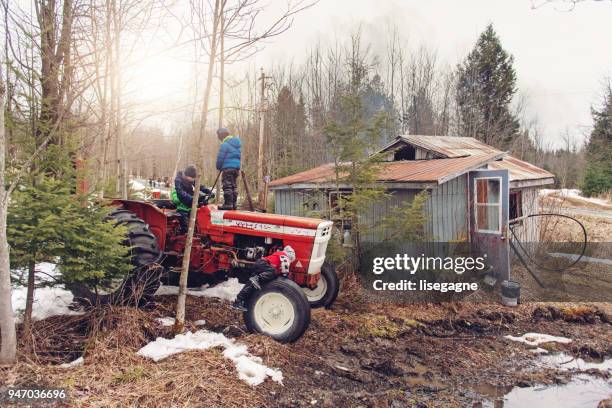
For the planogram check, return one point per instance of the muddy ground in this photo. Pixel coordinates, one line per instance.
(354, 355)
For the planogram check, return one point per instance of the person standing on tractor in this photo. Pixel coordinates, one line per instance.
(182, 195)
(228, 163)
(266, 269)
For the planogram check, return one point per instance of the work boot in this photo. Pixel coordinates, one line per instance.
(255, 281)
(234, 200)
(227, 204)
(239, 304)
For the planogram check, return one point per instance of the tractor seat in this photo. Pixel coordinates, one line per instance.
(165, 204)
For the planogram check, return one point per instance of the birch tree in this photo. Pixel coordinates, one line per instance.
(8, 349)
(179, 324)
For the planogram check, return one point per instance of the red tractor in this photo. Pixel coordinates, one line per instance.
(226, 244)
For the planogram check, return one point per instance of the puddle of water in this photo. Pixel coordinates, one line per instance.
(564, 362)
(494, 391)
(582, 392)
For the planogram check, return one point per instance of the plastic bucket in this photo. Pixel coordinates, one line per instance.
(510, 293)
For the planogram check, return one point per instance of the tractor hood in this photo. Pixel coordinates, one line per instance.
(266, 222)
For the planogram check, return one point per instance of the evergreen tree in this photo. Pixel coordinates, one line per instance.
(350, 137)
(598, 176)
(486, 85)
(47, 222)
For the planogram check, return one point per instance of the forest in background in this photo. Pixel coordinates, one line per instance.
(68, 81)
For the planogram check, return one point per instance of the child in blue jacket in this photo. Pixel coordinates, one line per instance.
(228, 162)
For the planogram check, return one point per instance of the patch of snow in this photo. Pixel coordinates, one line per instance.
(48, 267)
(78, 362)
(539, 350)
(48, 301)
(227, 290)
(45, 272)
(572, 193)
(535, 339)
(165, 290)
(166, 321)
(200, 322)
(137, 185)
(250, 368)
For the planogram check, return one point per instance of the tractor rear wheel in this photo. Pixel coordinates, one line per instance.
(280, 310)
(142, 281)
(326, 291)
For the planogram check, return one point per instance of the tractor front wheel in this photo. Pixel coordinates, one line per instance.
(280, 310)
(326, 291)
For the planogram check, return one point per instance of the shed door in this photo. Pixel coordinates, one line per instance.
(489, 191)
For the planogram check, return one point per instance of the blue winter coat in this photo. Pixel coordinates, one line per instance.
(229, 154)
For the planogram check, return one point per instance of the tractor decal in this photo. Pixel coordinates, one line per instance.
(216, 218)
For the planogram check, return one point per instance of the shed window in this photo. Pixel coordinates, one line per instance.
(516, 204)
(488, 205)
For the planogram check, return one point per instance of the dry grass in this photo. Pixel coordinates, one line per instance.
(114, 375)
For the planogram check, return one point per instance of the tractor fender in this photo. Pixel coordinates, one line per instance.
(154, 217)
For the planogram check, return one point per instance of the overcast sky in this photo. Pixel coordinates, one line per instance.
(561, 57)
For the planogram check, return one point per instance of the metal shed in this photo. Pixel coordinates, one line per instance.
(445, 166)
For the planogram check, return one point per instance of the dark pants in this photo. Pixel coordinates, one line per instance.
(264, 271)
(184, 220)
(229, 181)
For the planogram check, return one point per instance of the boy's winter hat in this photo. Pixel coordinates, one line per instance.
(190, 171)
(223, 132)
(290, 253)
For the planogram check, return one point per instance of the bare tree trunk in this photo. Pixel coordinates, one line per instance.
(27, 315)
(179, 324)
(8, 349)
(221, 82)
(121, 168)
(107, 119)
(260, 155)
(222, 66)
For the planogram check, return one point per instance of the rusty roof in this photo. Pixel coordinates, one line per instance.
(445, 146)
(455, 156)
(519, 170)
(418, 171)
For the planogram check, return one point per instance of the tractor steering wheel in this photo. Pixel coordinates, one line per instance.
(203, 199)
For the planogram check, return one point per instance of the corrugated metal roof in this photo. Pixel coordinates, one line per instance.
(460, 154)
(419, 171)
(520, 170)
(446, 146)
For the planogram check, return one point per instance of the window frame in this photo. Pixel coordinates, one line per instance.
(499, 204)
